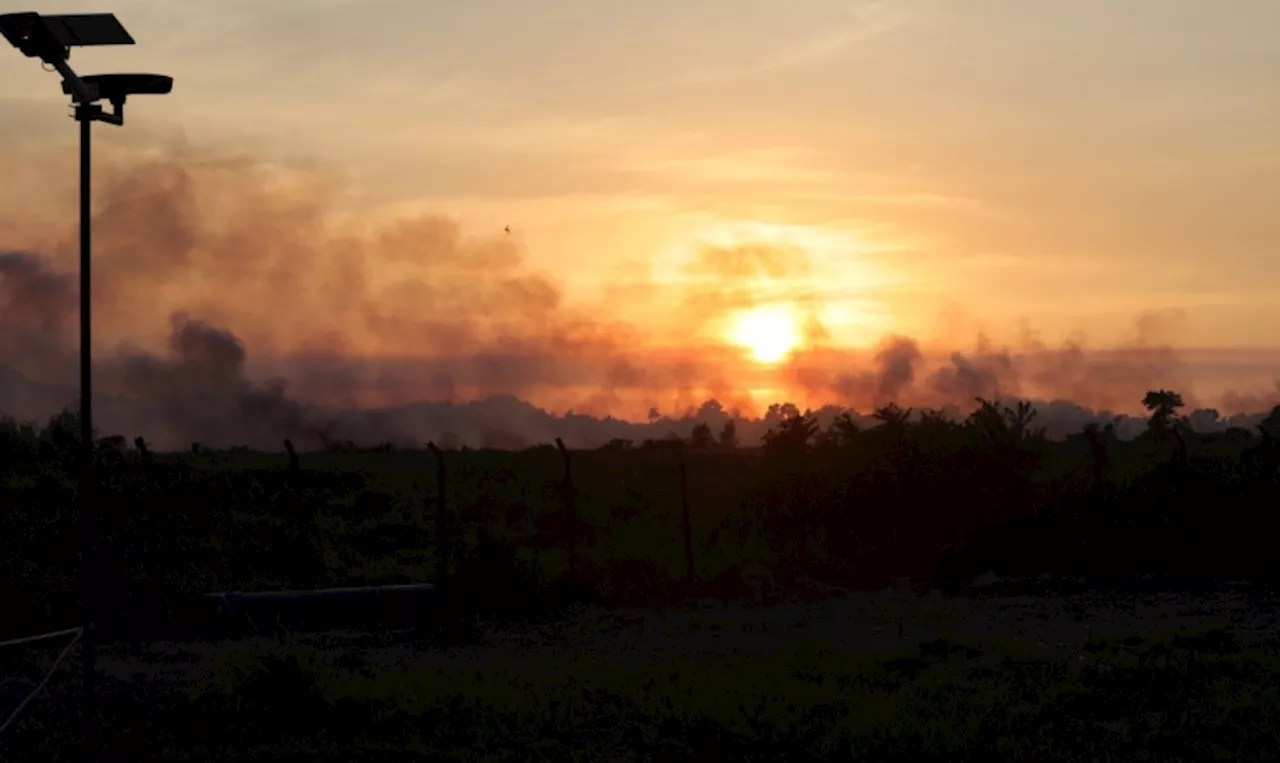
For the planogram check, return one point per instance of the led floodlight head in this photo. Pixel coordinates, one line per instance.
(117, 87)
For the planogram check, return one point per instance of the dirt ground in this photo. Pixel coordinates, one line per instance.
(888, 620)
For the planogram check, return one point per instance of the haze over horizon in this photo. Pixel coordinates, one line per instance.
(610, 208)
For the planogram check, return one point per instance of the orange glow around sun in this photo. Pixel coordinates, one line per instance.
(768, 333)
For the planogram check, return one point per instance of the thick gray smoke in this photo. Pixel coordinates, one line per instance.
(233, 304)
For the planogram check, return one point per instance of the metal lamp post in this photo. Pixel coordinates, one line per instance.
(50, 38)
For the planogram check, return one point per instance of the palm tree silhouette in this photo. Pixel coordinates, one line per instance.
(1163, 405)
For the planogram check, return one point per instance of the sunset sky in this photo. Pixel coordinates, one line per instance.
(929, 168)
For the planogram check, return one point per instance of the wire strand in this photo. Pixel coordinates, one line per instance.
(41, 637)
(61, 656)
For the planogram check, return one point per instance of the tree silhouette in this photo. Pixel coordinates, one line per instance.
(934, 429)
(893, 417)
(794, 433)
(62, 434)
(701, 438)
(908, 495)
(1004, 425)
(1163, 404)
(1098, 443)
(843, 432)
(729, 435)
(18, 441)
(1270, 425)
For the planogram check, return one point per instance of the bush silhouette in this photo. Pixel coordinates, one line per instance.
(923, 494)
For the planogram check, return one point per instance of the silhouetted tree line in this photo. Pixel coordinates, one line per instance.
(938, 499)
(701, 438)
(920, 494)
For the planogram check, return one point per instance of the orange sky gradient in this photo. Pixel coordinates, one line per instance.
(742, 200)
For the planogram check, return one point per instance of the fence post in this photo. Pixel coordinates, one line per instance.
(684, 517)
(143, 452)
(570, 509)
(1098, 452)
(293, 456)
(442, 517)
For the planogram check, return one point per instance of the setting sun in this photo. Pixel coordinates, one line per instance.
(769, 333)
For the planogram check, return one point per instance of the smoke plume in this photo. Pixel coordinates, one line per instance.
(238, 302)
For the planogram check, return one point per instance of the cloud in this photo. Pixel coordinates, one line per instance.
(866, 20)
(923, 200)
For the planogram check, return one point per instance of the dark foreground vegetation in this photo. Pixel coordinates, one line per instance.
(512, 537)
(918, 496)
(1202, 696)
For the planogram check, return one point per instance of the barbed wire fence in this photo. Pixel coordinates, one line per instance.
(570, 536)
(75, 633)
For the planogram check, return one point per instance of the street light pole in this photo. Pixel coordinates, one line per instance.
(51, 38)
(88, 644)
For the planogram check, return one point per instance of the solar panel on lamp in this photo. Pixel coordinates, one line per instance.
(79, 29)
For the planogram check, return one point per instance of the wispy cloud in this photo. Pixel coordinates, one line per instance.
(771, 163)
(976, 207)
(870, 19)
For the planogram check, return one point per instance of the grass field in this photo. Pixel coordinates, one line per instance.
(651, 671)
(1163, 678)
